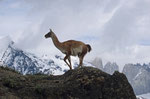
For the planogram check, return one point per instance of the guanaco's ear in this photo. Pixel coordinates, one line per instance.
(51, 30)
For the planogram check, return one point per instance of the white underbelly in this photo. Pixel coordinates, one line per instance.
(76, 51)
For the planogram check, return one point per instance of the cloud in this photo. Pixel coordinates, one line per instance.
(121, 30)
(70, 20)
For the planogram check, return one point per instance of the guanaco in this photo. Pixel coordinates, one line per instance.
(70, 48)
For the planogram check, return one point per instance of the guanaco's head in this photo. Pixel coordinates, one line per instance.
(49, 34)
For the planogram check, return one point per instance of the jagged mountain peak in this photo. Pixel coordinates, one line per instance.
(97, 62)
(138, 65)
(138, 76)
(24, 62)
(111, 67)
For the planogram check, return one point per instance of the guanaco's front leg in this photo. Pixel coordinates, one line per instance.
(69, 59)
(65, 59)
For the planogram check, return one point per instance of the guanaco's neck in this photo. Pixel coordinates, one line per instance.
(56, 41)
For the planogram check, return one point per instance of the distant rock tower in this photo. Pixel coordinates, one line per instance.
(110, 68)
(97, 62)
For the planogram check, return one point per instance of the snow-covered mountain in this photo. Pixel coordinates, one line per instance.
(138, 76)
(28, 63)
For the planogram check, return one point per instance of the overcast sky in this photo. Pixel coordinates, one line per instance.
(117, 30)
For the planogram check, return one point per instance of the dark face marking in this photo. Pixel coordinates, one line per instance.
(48, 35)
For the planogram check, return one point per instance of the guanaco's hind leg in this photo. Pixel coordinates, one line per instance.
(65, 59)
(81, 61)
(81, 56)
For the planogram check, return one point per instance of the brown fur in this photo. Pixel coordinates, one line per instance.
(70, 47)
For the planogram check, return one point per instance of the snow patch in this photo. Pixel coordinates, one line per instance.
(144, 96)
(140, 72)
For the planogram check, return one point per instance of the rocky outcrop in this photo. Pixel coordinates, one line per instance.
(80, 83)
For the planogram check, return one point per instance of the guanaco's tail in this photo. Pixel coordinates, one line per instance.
(89, 47)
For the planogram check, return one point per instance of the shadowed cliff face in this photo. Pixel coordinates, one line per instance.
(81, 83)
